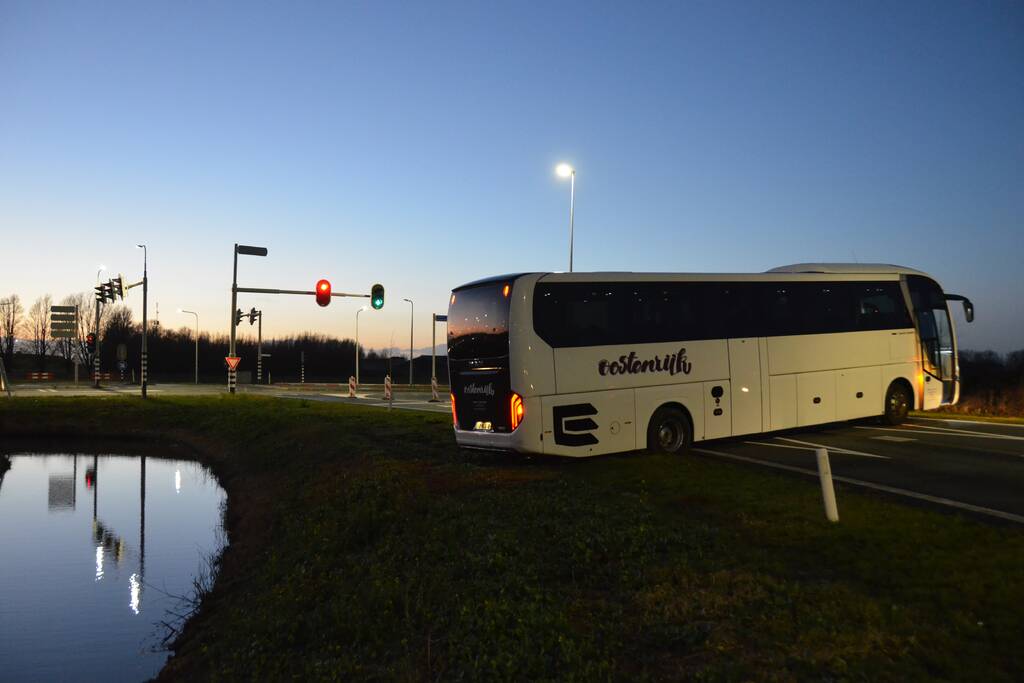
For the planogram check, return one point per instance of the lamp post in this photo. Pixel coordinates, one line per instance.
(566, 171)
(412, 311)
(145, 300)
(96, 352)
(357, 343)
(182, 310)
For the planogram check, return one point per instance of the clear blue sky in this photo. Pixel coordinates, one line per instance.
(414, 144)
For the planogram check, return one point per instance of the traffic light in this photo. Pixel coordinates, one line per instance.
(323, 292)
(101, 293)
(90, 342)
(253, 314)
(377, 296)
(238, 317)
(117, 287)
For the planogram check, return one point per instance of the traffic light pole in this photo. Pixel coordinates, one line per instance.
(232, 376)
(96, 353)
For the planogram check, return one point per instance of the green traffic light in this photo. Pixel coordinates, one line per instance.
(377, 297)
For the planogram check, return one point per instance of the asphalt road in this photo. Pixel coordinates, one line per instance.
(972, 466)
(976, 467)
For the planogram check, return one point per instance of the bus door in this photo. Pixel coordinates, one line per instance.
(935, 331)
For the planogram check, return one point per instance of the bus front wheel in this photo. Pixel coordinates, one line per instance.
(897, 404)
(669, 431)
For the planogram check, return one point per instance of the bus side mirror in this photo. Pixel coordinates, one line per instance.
(968, 306)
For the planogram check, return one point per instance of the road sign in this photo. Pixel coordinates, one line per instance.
(232, 362)
(63, 322)
(122, 352)
(440, 318)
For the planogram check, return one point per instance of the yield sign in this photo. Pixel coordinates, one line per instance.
(233, 361)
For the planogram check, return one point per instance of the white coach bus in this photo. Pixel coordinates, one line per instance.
(583, 364)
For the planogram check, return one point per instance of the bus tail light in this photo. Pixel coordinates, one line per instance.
(455, 420)
(517, 410)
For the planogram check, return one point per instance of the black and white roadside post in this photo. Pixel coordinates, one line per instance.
(437, 318)
(302, 367)
(412, 312)
(247, 251)
(255, 316)
(145, 299)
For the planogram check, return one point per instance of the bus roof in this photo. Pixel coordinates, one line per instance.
(850, 268)
(803, 271)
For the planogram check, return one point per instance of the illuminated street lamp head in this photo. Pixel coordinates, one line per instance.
(564, 170)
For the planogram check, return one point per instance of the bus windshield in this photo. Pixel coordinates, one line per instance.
(478, 322)
(933, 324)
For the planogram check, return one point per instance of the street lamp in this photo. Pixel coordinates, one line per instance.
(357, 343)
(412, 310)
(182, 310)
(101, 269)
(564, 170)
(145, 299)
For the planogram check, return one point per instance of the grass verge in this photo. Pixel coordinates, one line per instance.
(362, 545)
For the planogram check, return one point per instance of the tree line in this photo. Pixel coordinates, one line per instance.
(172, 352)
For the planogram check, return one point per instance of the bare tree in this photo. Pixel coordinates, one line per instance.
(39, 328)
(11, 312)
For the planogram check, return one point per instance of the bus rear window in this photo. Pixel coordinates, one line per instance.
(478, 322)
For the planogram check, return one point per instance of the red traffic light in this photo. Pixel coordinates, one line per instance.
(323, 292)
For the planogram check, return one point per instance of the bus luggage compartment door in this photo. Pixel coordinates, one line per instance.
(745, 369)
(591, 423)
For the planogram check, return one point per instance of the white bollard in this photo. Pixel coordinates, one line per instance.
(434, 398)
(351, 387)
(387, 390)
(828, 493)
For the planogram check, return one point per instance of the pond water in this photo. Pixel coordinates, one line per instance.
(96, 551)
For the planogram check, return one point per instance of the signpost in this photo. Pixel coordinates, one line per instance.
(64, 322)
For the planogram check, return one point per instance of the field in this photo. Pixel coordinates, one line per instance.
(364, 545)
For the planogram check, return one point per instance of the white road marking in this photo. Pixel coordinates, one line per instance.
(834, 449)
(943, 431)
(894, 439)
(811, 448)
(877, 487)
(970, 422)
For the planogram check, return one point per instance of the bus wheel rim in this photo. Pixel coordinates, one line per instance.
(669, 435)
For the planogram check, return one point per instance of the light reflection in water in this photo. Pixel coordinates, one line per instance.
(53, 624)
(135, 588)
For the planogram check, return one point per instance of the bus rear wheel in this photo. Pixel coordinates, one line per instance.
(669, 431)
(897, 404)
